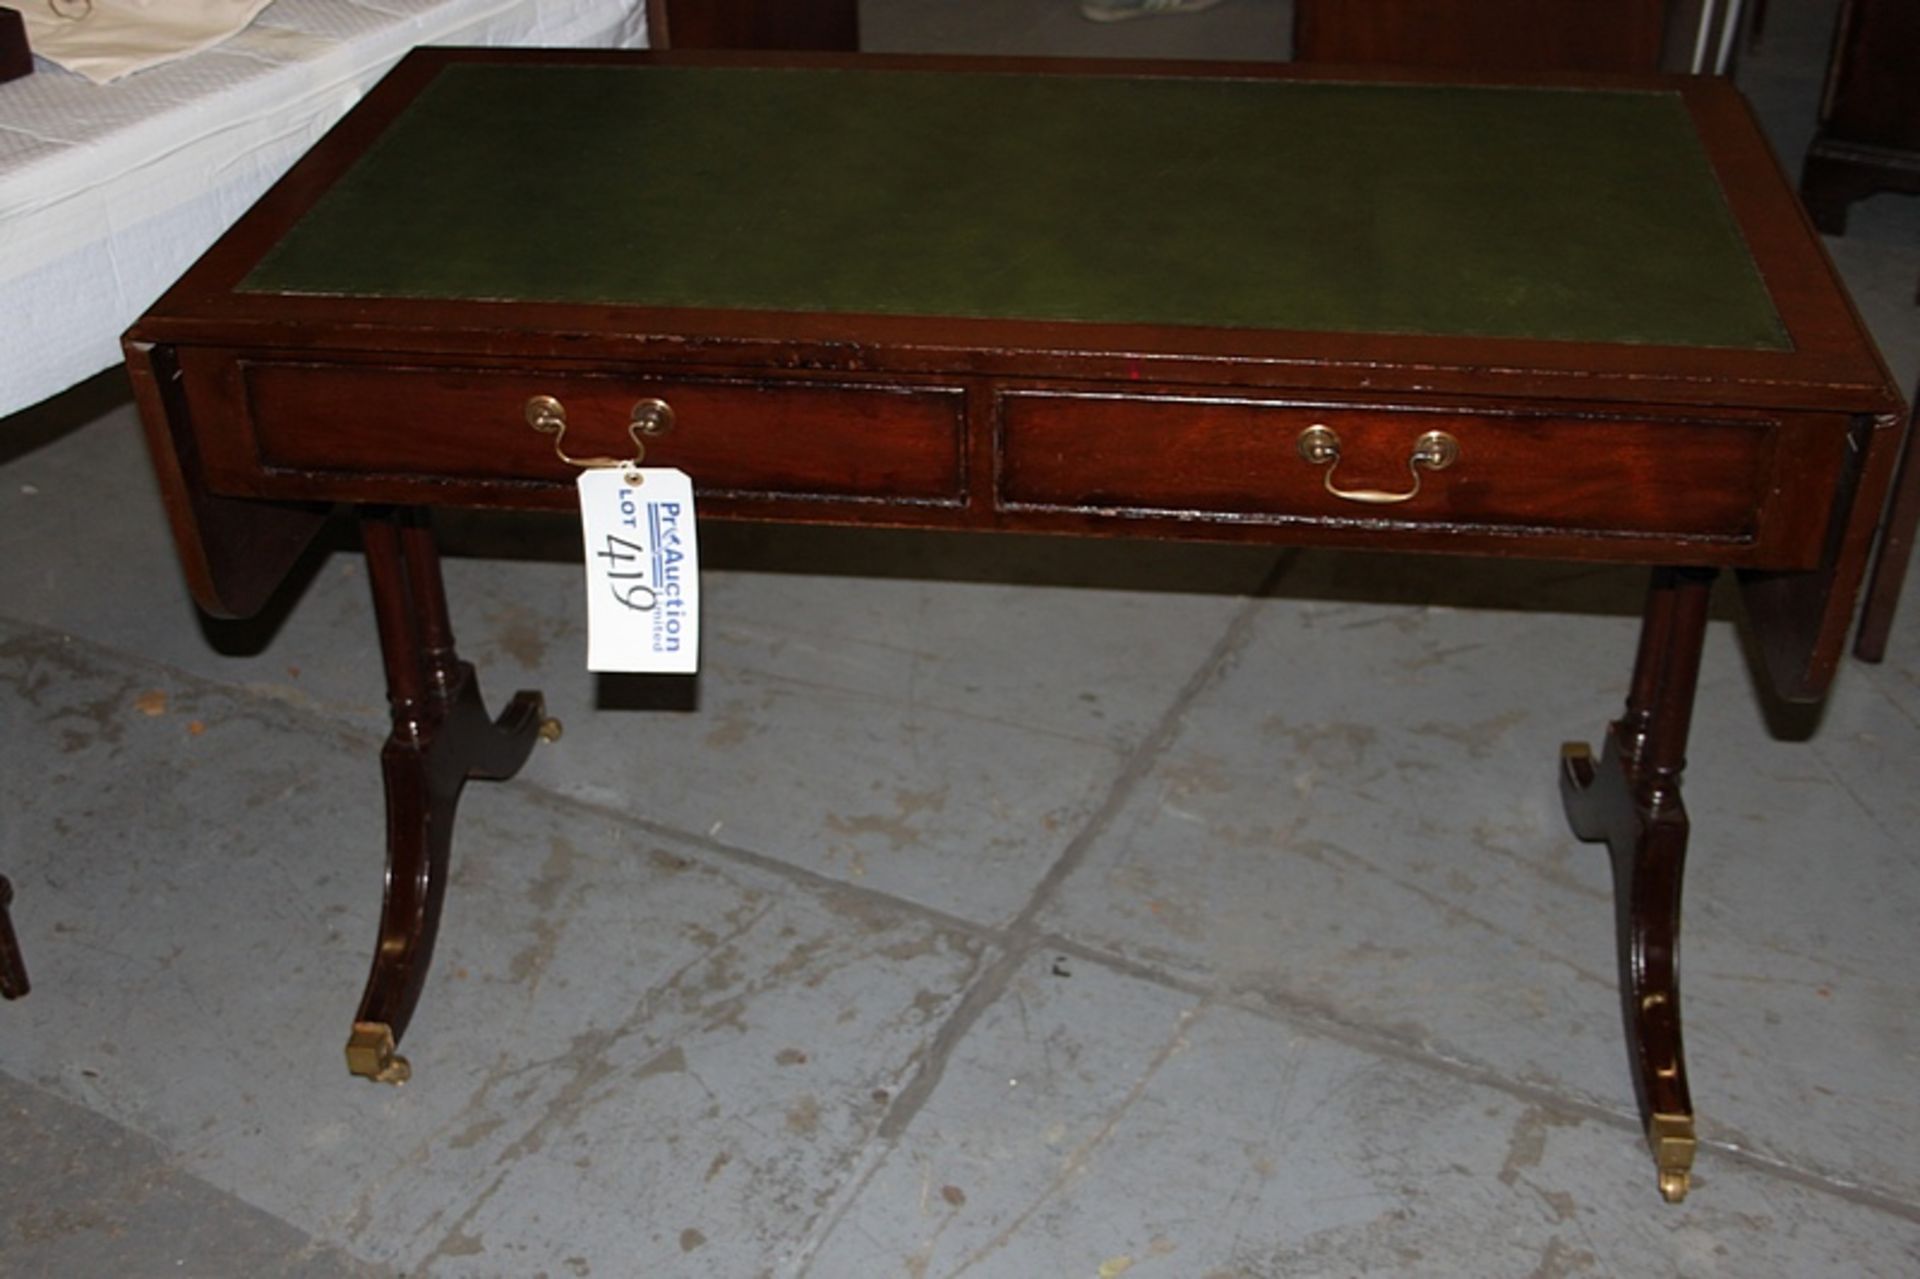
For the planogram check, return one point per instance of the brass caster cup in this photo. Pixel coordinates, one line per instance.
(370, 1054)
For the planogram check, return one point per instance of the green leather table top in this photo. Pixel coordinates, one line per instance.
(1237, 203)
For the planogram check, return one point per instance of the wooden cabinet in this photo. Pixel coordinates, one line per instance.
(1491, 35)
(1869, 137)
(754, 24)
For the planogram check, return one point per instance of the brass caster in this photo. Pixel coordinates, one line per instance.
(550, 729)
(370, 1054)
(1671, 1137)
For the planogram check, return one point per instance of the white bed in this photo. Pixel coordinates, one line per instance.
(108, 192)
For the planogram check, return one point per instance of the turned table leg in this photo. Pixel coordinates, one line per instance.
(1630, 799)
(441, 737)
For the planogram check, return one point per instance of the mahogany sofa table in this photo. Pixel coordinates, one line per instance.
(1560, 319)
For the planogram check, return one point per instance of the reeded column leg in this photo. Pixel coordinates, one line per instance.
(1630, 799)
(13, 965)
(441, 737)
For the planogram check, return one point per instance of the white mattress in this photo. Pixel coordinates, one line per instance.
(109, 192)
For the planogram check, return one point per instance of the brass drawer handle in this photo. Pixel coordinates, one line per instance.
(650, 417)
(1436, 451)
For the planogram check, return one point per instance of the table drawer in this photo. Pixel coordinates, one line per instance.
(1241, 460)
(786, 437)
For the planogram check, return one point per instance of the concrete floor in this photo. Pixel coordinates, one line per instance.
(1011, 908)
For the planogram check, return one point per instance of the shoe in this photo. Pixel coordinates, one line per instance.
(1120, 10)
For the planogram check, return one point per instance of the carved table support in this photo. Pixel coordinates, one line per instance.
(1630, 798)
(441, 737)
(13, 966)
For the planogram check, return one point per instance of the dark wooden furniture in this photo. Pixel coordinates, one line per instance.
(1869, 141)
(1547, 318)
(1869, 138)
(1484, 35)
(754, 24)
(16, 59)
(13, 966)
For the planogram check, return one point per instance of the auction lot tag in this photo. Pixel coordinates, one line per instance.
(643, 570)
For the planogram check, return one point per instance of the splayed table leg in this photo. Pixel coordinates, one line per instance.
(442, 737)
(1630, 799)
